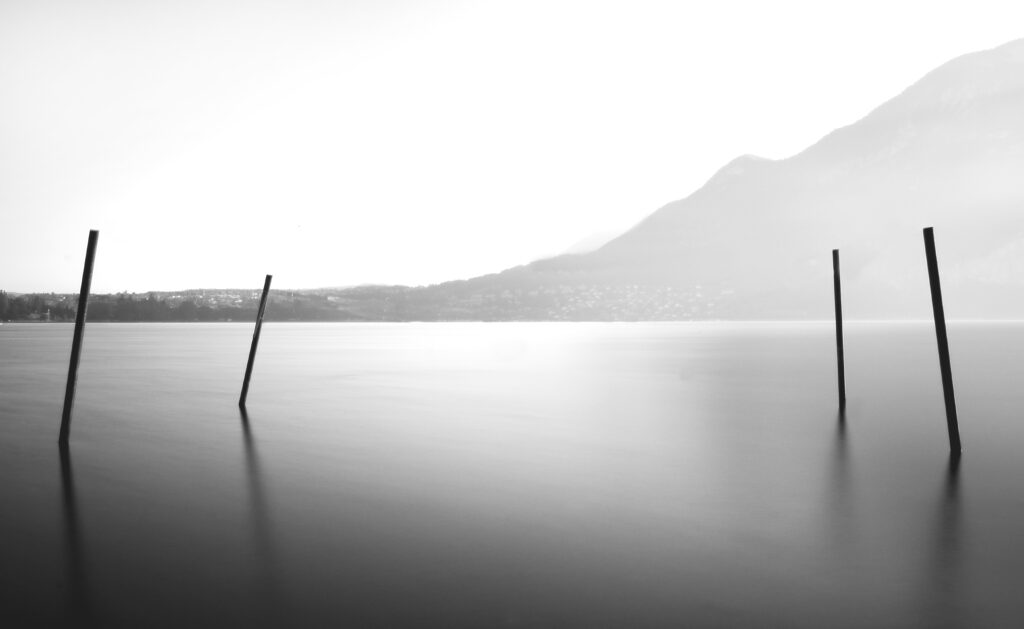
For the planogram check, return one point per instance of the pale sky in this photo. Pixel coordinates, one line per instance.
(343, 143)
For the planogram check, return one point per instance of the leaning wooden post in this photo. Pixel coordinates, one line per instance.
(940, 336)
(255, 341)
(76, 343)
(839, 330)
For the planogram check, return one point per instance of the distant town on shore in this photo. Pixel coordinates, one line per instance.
(451, 301)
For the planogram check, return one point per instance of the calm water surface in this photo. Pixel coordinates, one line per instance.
(537, 475)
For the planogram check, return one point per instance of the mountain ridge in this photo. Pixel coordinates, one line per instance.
(944, 151)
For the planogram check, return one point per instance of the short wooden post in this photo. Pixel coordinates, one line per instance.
(940, 336)
(76, 343)
(255, 341)
(839, 330)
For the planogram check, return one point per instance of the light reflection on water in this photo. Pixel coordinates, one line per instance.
(512, 474)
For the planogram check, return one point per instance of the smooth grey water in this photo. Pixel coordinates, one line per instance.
(468, 475)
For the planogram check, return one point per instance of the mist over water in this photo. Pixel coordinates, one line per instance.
(536, 474)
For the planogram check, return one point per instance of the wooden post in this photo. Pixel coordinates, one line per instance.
(940, 336)
(255, 341)
(76, 343)
(841, 362)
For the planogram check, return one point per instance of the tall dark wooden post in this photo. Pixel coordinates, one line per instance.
(76, 343)
(841, 362)
(255, 341)
(940, 336)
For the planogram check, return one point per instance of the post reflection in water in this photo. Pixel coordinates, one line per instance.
(79, 603)
(943, 601)
(267, 582)
(839, 489)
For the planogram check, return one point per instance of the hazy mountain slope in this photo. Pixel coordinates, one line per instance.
(948, 152)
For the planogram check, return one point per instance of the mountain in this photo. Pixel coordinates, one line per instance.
(755, 241)
(947, 152)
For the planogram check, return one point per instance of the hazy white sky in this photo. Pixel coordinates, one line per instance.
(339, 143)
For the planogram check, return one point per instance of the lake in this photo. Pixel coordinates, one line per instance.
(511, 474)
